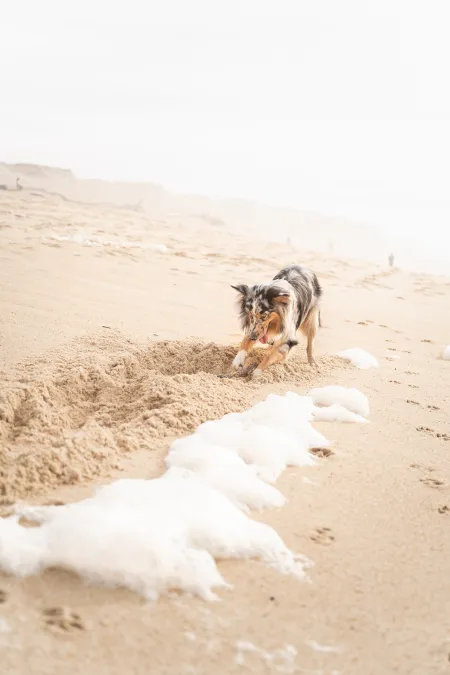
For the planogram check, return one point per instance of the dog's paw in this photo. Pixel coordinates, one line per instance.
(257, 373)
(239, 359)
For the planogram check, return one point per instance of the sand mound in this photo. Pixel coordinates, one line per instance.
(71, 416)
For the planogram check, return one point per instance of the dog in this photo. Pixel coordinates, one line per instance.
(272, 313)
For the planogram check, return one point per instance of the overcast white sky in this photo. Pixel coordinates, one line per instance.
(338, 106)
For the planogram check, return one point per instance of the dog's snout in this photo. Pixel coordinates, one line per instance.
(253, 336)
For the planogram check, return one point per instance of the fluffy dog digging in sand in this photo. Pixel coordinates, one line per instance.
(272, 313)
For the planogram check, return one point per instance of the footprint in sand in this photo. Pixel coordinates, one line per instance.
(434, 483)
(2, 596)
(394, 382)
(416, 465)
(413, 386)
(63, 618)
(433, 432)
(433, 407)
(429, 341)
(362, 323)
(443, 509)
(429, 481)
(322, 536)
(410, 400)
(426, 430)
(411, 372)
(322, 452)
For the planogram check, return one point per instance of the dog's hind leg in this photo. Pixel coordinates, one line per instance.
(309, 328)
(239, 359)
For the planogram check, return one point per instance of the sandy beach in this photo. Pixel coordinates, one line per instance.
(115, 322)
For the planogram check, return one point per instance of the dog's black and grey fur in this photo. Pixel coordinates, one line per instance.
(273, 312)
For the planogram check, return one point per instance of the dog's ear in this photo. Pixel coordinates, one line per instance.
(281, 300)
(241, 288)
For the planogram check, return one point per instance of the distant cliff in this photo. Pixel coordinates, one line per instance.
(37, 171)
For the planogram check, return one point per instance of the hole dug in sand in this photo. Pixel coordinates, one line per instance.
(71, 416)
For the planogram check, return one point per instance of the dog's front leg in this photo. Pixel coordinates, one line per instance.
(239, 359)
(274, 356)
(277, 354)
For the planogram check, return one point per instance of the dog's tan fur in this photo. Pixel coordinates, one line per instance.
(272, 319)
(275, 354)
(309, 329)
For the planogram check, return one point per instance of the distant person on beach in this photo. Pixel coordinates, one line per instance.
(391, 260)
(18, 185)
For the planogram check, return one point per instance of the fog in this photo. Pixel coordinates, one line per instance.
(340, 108)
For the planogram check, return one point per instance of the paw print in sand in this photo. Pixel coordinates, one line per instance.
(436, 434)
(63, 619)
(432, 482)
(322, 536)
(322, 452)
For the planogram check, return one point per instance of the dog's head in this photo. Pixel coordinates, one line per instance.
(259, 306)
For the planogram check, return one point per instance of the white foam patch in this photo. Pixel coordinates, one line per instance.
(446, 354)
(272, 435)
(290, 410)
(337, 413)
(271, 450)
(223, 469)
(148, 535)
(359, 358)
(349, 397)
(156, 535)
